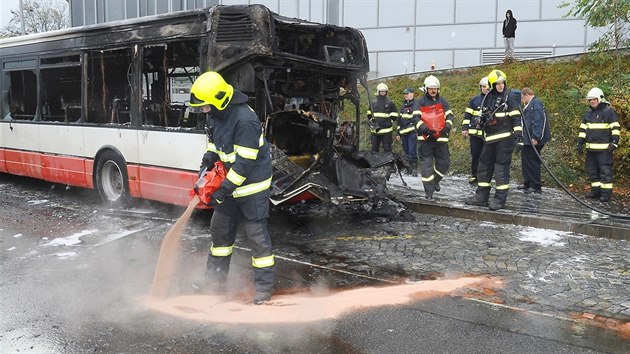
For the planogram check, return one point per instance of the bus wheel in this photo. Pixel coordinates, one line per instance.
(112, 181)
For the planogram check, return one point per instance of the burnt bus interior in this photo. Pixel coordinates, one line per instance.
(297, 75)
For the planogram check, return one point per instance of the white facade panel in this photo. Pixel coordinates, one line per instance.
(441, 59)
(271, 4)
(550, 10)
(289, 8)
(396, 13)
(360, 14)
(389, 39)
(433, 12)
(468, 57)
(474, 11)
(317, 11)
(395, 63)
(549, 33)
(523, 10)
(458, 36)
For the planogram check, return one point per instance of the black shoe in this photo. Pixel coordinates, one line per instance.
(262, 297)
(474, 200)
(604, 198)
(594, 194)
(496, 205)
(437, 186)
(522, 186)
(532, 190)
(428, 196)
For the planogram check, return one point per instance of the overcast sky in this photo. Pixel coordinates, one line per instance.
(8, 5)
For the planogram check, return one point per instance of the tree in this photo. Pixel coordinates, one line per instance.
(39, 16)
(612, 17)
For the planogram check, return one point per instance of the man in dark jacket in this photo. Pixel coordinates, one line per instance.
(235, 137)
(407, 130)
(381, 115)
(509, 33)
(501, 119)
(599, 133)
(536, 133)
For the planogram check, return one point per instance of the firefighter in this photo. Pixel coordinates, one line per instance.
(599, 134)
(381, 116)
(236, 138)
(471, 127)
(502, 130)
(407, 119)
(434, 128)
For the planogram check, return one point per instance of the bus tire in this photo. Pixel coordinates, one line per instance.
(112, 180)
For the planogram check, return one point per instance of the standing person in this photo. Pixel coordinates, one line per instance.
(235, 137)
(536, 133)
(434, 128)
(407, 130)
(501, 119)
(509, 33)
(381, 115)
(599, 133)
(471, 127)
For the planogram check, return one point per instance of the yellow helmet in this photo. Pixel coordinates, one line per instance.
(431, 82)
(495, 76)
(211, 89)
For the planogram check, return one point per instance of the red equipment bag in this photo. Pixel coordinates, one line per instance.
(209, 182)
(433, 117)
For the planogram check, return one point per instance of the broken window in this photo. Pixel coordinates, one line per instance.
(109, 89)
(168, 72)
(60, 88)
(19, 89)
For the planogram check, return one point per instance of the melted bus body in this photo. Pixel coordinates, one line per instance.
(102, 106)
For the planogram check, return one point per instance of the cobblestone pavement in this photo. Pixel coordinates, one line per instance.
(553, 272)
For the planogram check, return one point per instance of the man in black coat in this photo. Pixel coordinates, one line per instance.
(536, 133)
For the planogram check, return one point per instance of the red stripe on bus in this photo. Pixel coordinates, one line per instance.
(165, 185)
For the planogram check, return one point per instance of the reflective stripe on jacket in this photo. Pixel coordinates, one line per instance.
(600, 127)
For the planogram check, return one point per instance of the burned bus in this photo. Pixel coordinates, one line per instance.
(103, 106)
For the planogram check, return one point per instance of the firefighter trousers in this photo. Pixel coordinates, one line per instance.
(495, 159)
(436, 160)
(223, 228)
(599, 167)
(378, 139)
(476, 144)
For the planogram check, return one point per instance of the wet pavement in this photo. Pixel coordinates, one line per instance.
(73, 275)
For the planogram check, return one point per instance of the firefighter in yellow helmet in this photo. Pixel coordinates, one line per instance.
(381, 115)
(235, 137)
(434, 128)
(502, 130)
(599, 134)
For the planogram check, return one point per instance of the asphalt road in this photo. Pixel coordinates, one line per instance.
(73, 276)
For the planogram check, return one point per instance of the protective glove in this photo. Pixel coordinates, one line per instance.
(580, 148)
(518, 148)
(423, 129)
(217, 198)
(612, 147)
(446, 130)
(518, 136)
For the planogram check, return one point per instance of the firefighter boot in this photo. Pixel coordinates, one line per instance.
(480, 198)
(594, 193)
(216, 274)
(499, 200)
(605, 195)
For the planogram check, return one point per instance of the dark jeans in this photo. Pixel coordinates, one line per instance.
(530, 163)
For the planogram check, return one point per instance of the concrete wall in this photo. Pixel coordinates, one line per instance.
(403, 36)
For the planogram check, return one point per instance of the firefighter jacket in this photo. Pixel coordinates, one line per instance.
(236, 138)
(436, 118)
(472, 117)
(382, 115)
(599, 128)
(409, 115)
(535, 122)
(501, 116)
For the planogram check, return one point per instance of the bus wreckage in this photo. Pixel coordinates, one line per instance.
(120, 89)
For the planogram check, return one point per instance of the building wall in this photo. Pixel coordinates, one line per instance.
(403, 36)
